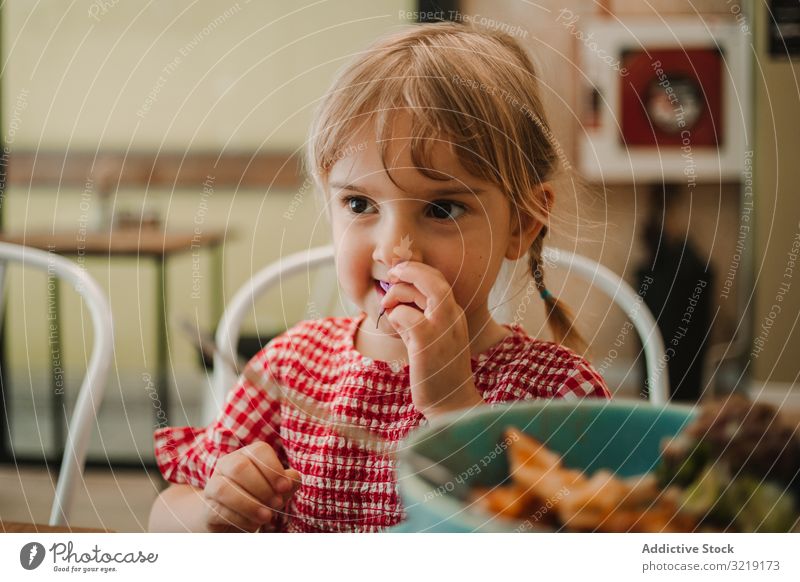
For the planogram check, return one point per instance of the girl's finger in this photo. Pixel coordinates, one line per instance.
(428, 280)
(242, 470)
(231, 495)
(294, 477)
(223, 518)
(403, 293)
(266, 461)
(407, 321)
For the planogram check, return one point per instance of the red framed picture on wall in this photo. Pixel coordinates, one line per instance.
(674, 105)
(670, 95)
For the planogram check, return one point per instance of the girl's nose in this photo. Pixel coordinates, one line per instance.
(394, 243)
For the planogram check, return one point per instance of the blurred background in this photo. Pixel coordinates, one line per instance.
(179, 126)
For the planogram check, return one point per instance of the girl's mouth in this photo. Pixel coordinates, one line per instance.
(382, 287)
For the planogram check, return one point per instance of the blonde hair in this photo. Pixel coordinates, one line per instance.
(476, 88)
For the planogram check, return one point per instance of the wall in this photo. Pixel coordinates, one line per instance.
(171, 76)
(777, 239)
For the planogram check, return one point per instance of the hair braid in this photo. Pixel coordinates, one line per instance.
(559, 317)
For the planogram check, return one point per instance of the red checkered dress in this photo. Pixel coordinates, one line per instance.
(346, 487)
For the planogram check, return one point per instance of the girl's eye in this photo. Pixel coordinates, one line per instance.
(357, 204)
(445, 210)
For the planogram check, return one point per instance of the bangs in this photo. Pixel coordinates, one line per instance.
(433, 121)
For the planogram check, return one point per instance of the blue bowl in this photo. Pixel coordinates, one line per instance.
(621, 436)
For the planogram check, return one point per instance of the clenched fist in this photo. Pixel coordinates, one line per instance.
(247, 488)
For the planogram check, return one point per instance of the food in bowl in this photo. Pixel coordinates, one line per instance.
(734, 468)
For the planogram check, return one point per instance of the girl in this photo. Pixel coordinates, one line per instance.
(433, 154)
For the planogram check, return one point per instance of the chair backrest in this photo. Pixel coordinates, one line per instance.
(94, 382)
(244, 300)
(633, 306)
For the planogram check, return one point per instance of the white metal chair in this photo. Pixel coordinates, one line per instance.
(244, 300)
(94, 382)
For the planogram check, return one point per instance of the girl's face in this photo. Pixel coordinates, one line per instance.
(462, 226)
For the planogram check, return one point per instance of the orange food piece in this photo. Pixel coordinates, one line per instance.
(510, 501)
(526, 450)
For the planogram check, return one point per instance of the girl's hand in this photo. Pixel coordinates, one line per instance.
(422, 309)
(247, 488)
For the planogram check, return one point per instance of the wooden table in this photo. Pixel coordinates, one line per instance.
(20, 527)
(150, 243)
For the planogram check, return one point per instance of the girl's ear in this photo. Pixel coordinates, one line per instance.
(525, 228)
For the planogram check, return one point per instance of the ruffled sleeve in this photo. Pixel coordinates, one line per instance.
(189, 454)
